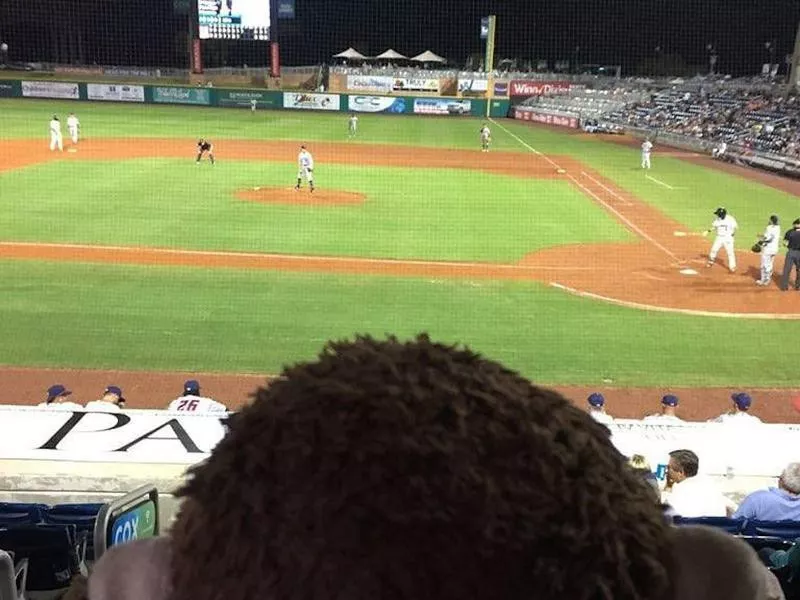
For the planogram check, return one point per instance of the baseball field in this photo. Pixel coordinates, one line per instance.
(554, 253)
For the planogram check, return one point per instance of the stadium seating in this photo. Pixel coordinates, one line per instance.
(13, 577)
(732, 526)
(787, 530)
(18, 513)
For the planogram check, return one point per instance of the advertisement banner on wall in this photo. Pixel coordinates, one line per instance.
(546, 118)
(442, 106)
(115, 92)
(410, 84)
(181, 95)
(9, 89)
(501, 88)
(538, 88)
(244, 99)
(50, 89)
(365, 83)
(311, 101)
(473, 86)
(375, 104)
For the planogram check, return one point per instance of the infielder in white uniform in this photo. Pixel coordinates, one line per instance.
(305, 168)
(55, 134)
(725, 226)
(486, 138)
(73, 126)
(770, 243)
(192, 401)
(647, 147)
(352, 126)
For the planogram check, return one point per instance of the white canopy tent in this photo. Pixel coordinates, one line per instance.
(390, 55)
(428, 57)
(350, 54)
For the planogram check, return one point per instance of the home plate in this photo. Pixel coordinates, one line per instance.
(688, 272)
(679, 233)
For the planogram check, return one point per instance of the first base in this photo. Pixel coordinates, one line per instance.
(688, 272)
(72, 150)
(562, 171)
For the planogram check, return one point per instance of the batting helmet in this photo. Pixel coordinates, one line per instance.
(721, 212)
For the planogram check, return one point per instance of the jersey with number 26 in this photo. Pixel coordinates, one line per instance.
(197, 404)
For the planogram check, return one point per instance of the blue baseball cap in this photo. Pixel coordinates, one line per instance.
(56, 391)
(742, 400)
(113, 389)
(596, 400)
(669, 400)
(192, 387)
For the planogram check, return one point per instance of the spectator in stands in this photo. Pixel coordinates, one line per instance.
(112, 401)
(641, 466)
(597, 408)
(690, 495)
(741, 405)
(57, 399)
(192, 401)
(775, 504)
(669, 408)
(409, 471)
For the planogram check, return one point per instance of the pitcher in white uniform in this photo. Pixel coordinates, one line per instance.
(770, 243)
(647, 147)
(305, 168)
(73, 127)
(56, 140)
(725, 227)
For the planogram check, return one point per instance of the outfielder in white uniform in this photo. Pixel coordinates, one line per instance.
(486, 137)
(305, 168)
(770, 243)
(55, 134)
(352, 126)
(192, 401)
(725, 226)
(647, 147)
(74, 127)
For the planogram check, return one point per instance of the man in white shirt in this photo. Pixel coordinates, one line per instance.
(741, 404)
(73, 127)
(192, 401)
(690, 495)
(112, 401)
(647, 147)
(305, 168)
(668, 416)
(597, 410)
(55, 400)
(770, 243)
(725, 227)
(56, 140)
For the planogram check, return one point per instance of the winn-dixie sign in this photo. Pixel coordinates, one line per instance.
(537, 88)
(546, 118)
(132, 436)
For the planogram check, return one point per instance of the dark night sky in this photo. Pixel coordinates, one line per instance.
(626, 32)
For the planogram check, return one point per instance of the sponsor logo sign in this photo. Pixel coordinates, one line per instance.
(410, 84)
(181, 95)
(365, 83)
(244, 98)
(9, 89)
(546, 118)
(442, 106)
(478, 86)
(311, 101)
(538, 88)
(115, 92)
(501, 88)
(50, 89)
(374, 104)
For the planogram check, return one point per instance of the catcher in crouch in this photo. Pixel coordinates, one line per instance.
(204, 146)
(768, 244)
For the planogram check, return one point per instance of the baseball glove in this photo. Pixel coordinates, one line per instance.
(757, 247)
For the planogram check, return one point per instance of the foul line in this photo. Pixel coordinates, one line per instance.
(659, 182)
(622, 200)
(294, 257)
(625, 220)
(526, 144)
(682, 311)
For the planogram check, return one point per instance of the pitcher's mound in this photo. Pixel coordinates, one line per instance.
(288, 195)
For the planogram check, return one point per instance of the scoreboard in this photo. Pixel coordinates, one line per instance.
(234, 19)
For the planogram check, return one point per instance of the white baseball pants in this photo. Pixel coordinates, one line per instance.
(56, 142)
(726, 243)
(767, 264)
(646, 161)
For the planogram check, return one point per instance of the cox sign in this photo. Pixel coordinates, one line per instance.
(137, 523)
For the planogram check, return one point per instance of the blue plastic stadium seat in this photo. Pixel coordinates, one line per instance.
(734, 526)
(787, 530)
(13, 510)
(82, 516)
(52, 553)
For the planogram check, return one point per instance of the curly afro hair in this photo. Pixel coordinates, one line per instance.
(415, 471)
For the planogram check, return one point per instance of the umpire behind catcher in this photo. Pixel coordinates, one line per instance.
(792, 240)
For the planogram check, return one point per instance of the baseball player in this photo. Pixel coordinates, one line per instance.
(352, 126)
(55, 134)
(741, 404)
(73, 127)
(192, 401)
(770, 243)
(725, 226)
(253, 105)
(305, 168)
(56, 399)
(204, 146)
(647, 147)
(486, 137)
(112, 401)
(597, 410)
(669, 407)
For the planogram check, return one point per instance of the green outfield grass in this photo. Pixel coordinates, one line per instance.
(161, 318)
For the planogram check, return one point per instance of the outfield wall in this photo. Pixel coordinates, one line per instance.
(264, 99)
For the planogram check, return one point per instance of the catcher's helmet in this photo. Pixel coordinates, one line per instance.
(721, 212)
